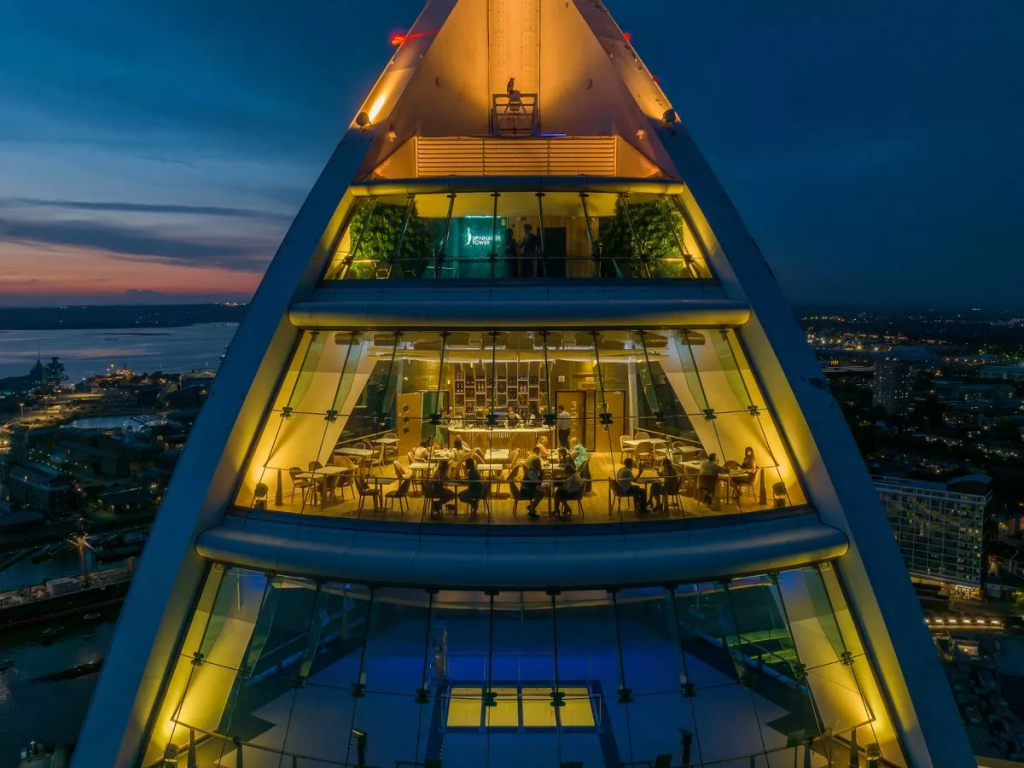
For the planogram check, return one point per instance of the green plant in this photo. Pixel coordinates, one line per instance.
(645, 232)
(377, 229)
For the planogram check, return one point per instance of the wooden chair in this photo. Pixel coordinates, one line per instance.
(706, 490)
(643, 455)
(624, 450)
(315, 465)
(780, 496)
(401, 494)
(299, 482)
(641, 435)
(588, 479)
(514, 488)
(614, 492)
(373, 492)
(330, 488)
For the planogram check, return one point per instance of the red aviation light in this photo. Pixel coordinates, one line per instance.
(627, 37)
(397, 39)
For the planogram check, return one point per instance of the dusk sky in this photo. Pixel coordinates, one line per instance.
(873, 148)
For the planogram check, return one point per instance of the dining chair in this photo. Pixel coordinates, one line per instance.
(315, 465)
(303, 483)
(365, 491)
(624, 450)
(401, 494)
(643, 455)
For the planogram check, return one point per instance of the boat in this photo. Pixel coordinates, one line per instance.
(6, 664)
(92, 634)
(91, 616)
(67, 596)
(51, 633)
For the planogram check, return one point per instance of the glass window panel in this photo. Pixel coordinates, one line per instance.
(571, 235)
(505, 712)
(465, 707)
(394, 654)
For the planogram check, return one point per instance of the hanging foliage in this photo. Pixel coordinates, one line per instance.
(376, 231)
(644, 232)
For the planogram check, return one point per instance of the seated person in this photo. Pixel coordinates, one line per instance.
(514, 419)
(460, 445)
(439, 490)
(571, 490)
(626, 486)
(749, 466)
(541, 448)
(422, 451)
(711, 466)
(708, 479)
(668, 485)
(475, 490)
(531, 489)
(578, 452)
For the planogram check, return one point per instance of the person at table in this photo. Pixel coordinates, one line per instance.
(563, 456)
(708, 479)
(541, 448)
(667, 485)
(442, 494)
(461, 445)
(514, 419)
(475, 488)
(563, 423)
(510, 253)
(749, 466)
(578, 452)
(531, 488)
(570, 490)
(422, 451)
(531, 252)
(624, 480)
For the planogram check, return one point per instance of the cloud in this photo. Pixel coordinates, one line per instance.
(123, 207)
(133, 242)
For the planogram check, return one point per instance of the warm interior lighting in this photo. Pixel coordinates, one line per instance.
(378, 105)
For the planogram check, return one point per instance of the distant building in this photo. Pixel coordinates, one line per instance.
(939, 527)
(1002, 372)
(891, 387)
(42, 488)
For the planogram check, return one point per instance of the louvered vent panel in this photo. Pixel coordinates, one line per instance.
(592, 156)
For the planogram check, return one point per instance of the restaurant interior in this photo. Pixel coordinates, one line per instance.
(374, 425)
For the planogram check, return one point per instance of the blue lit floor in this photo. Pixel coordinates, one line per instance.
(730, 721)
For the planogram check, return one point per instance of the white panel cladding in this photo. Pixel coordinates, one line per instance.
(563, 156)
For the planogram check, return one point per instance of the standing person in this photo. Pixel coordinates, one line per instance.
(514, 419)
(563, 422)
(510, 253)
(531, 252)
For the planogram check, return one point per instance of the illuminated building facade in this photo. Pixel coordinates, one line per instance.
(372, 552)
(940, 528)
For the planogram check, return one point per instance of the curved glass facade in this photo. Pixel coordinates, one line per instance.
(385, 425)
(755, 671)
(499, 235)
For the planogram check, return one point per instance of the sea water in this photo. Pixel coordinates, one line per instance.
(91, 352)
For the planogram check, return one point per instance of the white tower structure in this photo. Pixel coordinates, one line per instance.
(374, 551)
